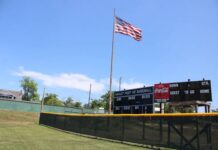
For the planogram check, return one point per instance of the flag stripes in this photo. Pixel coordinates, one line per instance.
(126, 28)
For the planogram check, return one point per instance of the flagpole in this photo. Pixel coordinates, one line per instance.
(111, 69)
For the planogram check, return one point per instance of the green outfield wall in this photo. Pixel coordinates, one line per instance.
(26, 106)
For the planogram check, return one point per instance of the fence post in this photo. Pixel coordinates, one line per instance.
(209, 134)
(55, 120)
(96, 125)
(197, 132)
(168, 141)
(181, 137)
(65, 122)
(143, 128)
(80, 123)
(161, 129)
(123, 127)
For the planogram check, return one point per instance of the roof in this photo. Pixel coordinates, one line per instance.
(11, 93)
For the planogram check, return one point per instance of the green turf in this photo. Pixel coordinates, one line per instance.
(20, 131)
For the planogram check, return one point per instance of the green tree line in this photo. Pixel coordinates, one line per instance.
(30, 89)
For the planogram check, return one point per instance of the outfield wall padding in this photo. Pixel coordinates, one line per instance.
(27, 106)
(179, 131)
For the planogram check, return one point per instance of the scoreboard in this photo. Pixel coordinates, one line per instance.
(190, 91)
(134, 101)
(142, 100)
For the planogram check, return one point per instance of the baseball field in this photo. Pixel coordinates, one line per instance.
(20, 131)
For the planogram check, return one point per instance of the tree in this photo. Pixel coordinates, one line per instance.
(52, 99)
(215, 110)
(30, 88)
(102, 102)
(184, 109)
(86, 106)
(178, 109)
(78, 104)
(105, 100)
(96, 103)
(69, 102)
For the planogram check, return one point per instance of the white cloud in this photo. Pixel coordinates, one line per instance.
(131, 85)
(124, 85)
(65, 80)
(77, 81)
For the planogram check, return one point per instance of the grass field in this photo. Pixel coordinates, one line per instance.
(20, 131)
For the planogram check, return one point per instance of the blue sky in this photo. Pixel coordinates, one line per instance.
(65, 45)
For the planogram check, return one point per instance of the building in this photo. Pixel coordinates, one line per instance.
(10, 94)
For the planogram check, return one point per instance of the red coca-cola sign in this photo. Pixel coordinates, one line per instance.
(162, 91)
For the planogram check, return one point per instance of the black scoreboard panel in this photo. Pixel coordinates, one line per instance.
(141, 100)
(190, 91)
(134, 101)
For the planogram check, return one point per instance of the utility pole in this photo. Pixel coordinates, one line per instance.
(42, 102)
(90, 89)
(120, 83)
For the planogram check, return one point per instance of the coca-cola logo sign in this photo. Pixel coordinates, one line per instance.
(162, 91)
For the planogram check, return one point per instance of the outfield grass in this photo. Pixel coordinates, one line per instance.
(20, 131)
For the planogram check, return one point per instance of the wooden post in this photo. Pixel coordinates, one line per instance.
(205, 109)
(161, 107)
(196, 108)
(209, 108)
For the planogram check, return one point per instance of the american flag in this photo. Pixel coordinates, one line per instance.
(126, 28)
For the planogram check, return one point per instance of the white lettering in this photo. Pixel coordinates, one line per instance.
(163, 90)
(143, 91)
(192, 91)
(204, 83)
(118, 98)
(174, 92)
(205, 91)
(127, 92)
(131, 97)
(174, 85)
(126, 107)
(146, 96)
(186, 92)
(117, 108)
(119, 94)
(133, 92)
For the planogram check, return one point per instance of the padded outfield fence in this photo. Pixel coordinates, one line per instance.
(179, 131)
(27, 106)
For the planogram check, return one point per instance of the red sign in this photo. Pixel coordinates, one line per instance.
(162, 91)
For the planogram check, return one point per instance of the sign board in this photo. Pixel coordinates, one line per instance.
(141, 100)
(138, 100)
(190, 91)
(161, 92)
(133, 92)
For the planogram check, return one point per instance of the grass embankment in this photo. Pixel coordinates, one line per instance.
(20, 131)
